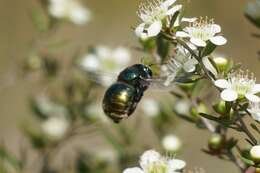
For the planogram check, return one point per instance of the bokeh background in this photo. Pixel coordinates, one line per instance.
(112, 25)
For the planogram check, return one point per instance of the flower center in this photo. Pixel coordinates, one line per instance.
(242, 82)
(158, 167)
(152, 11)
(203, 29)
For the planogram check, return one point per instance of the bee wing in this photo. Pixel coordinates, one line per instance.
(160, 84)
(169, 83)
(102, 78)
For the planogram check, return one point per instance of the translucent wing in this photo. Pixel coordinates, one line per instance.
(158, 84)
(102, 78)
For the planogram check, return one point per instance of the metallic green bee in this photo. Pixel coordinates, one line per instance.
(122, 97)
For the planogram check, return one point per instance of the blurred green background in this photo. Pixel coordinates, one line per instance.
(112, 25)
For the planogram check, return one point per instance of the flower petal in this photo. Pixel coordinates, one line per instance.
(154, 29)
(209, 66)
(198, 42)
(133, 170)
(174, 9)
(148, 158)
(190, 20)
(182, 34)
(139, 30)
(222, 83)
(168, 3)
(256, 116)
(256, 89)
(218, 40)
(190, 65)
(175, 165)
(216, 28)
(253, 98)
(229, 95)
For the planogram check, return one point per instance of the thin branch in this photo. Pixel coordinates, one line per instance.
(237, 161)
(246, 131)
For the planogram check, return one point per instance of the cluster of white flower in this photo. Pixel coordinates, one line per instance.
(69, 9)
(154, 15)
(56, 124)
(152, 162)
(239, 85)
(107, 61)
(201, 31)
(197, 35)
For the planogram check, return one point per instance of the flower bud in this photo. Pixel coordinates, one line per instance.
(221, 63)
(255, 153)
(171, 143)
(216, 142)
(220, 107)
(195, 111)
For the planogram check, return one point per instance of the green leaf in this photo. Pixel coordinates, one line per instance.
(174, 18)
(188, 78)
(210, 117)
(231, 143)
(208, 49)
(247, 161)
(184, 117)
(222, 121)
(163, 47)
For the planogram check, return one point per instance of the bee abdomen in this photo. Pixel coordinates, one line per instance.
(119, 101)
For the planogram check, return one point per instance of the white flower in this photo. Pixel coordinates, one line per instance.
(91, 62)
(152, 162)
(150, 107)
(254, 109)
(171, 143)
(239, 85)
(182, 60)
(255, 152)
(184, 57)
(107, 61)
(202, 31)
(154, 15)
(182, 107)
(48, 107)
(55, 127)
(69, 9)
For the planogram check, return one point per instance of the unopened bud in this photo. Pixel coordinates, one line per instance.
(220, 107)
(221, 63)
(255, 153)
(216, 142)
